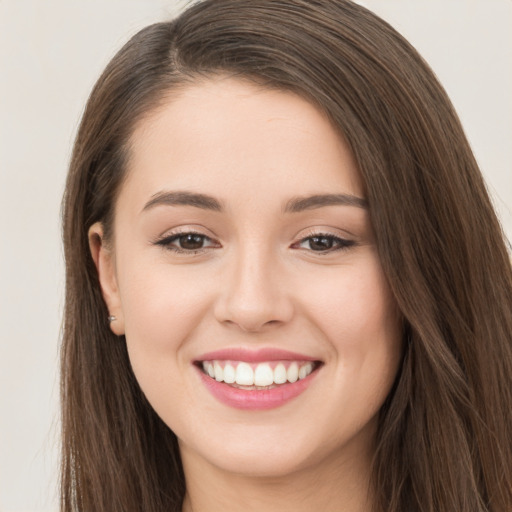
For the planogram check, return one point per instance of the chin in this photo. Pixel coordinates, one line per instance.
(262, 463)
(263, 453)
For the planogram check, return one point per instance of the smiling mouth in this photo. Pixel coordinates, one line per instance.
(257, 376)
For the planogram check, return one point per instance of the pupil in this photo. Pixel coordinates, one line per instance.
(320, 243)
(191, 241)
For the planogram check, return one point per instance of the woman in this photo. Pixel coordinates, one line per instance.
(286, 285)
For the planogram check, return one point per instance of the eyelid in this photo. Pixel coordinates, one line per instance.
(183, 229)
(325, 231)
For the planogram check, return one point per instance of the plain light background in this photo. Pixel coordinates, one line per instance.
(51, 52)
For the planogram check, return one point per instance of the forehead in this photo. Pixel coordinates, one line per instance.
(216, 134)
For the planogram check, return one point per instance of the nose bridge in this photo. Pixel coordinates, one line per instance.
(253, 292)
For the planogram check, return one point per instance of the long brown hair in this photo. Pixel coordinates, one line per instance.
(444, 438)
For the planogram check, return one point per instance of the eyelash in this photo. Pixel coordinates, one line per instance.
(166, 242)
(342, 243)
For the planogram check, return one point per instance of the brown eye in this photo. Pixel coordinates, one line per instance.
(191, 241)
(187, 242)
(321, 243)
(324, 243)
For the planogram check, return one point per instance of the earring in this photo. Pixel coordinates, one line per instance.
(111, 319)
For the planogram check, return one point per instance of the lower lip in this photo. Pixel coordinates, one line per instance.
(256, 399)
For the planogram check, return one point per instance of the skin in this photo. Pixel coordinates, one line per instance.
(257, 282)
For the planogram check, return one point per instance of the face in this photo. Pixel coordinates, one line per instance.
(244, 275)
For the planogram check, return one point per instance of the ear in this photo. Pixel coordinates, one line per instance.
(105, 265)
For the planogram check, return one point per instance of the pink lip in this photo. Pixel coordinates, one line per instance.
(255, 399)
(254, 356)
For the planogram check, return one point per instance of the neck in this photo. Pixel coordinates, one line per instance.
(332, 486)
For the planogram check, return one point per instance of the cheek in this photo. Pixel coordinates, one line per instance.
(359, 319)
(162, 307)
(355, 306)
(162, 302)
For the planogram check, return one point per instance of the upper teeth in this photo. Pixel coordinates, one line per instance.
(260, 374)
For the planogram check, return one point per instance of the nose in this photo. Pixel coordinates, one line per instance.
(253, 294)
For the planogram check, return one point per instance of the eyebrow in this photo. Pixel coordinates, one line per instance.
(300, 204)
(294, 205)
(183, 198)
